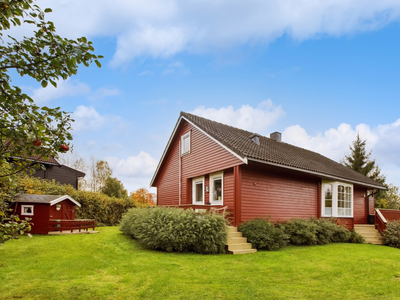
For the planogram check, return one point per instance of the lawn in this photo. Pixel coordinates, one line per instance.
(110, 265)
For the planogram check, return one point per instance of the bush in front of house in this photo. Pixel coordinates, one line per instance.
(176, 230)
(325, 230)
(301, 231)
(355, 238)
(391, 235)
(263, 235)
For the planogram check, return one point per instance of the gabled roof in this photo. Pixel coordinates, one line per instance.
(271, 152)
(47, 199)
(77, 172)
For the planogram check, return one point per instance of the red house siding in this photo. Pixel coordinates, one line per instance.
(270, 192)
(205, 157)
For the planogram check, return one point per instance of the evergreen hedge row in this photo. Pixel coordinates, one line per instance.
(100, 207)
(172, 229)
(264, 235)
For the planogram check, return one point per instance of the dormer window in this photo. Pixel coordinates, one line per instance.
(185, 143)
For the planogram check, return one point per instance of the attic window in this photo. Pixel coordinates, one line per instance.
(185, 143)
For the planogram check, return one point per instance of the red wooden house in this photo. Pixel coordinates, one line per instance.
(208, 164)
(50, 213)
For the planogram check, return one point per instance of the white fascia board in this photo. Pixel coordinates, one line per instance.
(166, 150)
(243, 159)
(62, 198)
(315, 173)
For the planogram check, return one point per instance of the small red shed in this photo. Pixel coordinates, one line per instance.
(44, 209)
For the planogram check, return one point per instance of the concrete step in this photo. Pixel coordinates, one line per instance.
(232, 229)
(370, 234)
(236, 240)
(246, 251)
(234, 234)
(241, 246)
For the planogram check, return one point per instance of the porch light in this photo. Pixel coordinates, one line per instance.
(58, 206)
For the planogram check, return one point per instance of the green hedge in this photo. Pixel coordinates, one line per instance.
(102, 208)
(172, 229)
(264, 235)
(391, 235)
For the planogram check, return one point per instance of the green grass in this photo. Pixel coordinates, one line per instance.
(110, 265)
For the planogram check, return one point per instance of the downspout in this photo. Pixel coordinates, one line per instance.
(180, 173)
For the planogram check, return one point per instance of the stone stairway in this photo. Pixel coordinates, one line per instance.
(237, 244)
(370, 233)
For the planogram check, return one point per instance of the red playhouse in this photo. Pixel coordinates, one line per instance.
(50, 213)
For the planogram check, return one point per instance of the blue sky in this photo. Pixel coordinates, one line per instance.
(318, 71)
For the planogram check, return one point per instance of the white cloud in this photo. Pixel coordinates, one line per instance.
(160, 28)
(64, 88)
(88, 119)
(145, 73)
(141, 166)
(176, 67)
(103, 92)
(248, 118)
(383, 140)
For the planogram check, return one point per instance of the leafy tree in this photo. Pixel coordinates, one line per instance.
(114, 188)
(100, 171)
(27, 130)
(142, 198)
(389, 198)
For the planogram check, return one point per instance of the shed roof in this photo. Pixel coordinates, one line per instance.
(46, 199)
(270, 151)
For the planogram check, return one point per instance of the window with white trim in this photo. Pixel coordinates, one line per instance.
(217, 188)
(337, 199)
(198, 190)
(185, 143)
(26, 210)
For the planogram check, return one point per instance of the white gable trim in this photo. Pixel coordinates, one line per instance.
(316, 173)
(62, 198)
(243, 159)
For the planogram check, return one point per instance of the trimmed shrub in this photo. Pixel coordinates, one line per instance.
(326, 228)
(100, 207)
(355, 238)
(172, 229)
(301, 231)
(391, 236)
(264, 235)
(341, 235)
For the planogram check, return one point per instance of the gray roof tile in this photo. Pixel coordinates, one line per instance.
(280, 153)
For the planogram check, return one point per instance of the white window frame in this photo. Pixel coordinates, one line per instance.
(196, 181)
(335, 208)
(23, 209)
(183, 149)
(216, 176)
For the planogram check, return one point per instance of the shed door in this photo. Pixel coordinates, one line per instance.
(69, 212)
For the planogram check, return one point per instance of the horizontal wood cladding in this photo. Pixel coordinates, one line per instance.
(205, 157)
(168, 178)
(278, 194)
(360, 207)
(59, 174)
